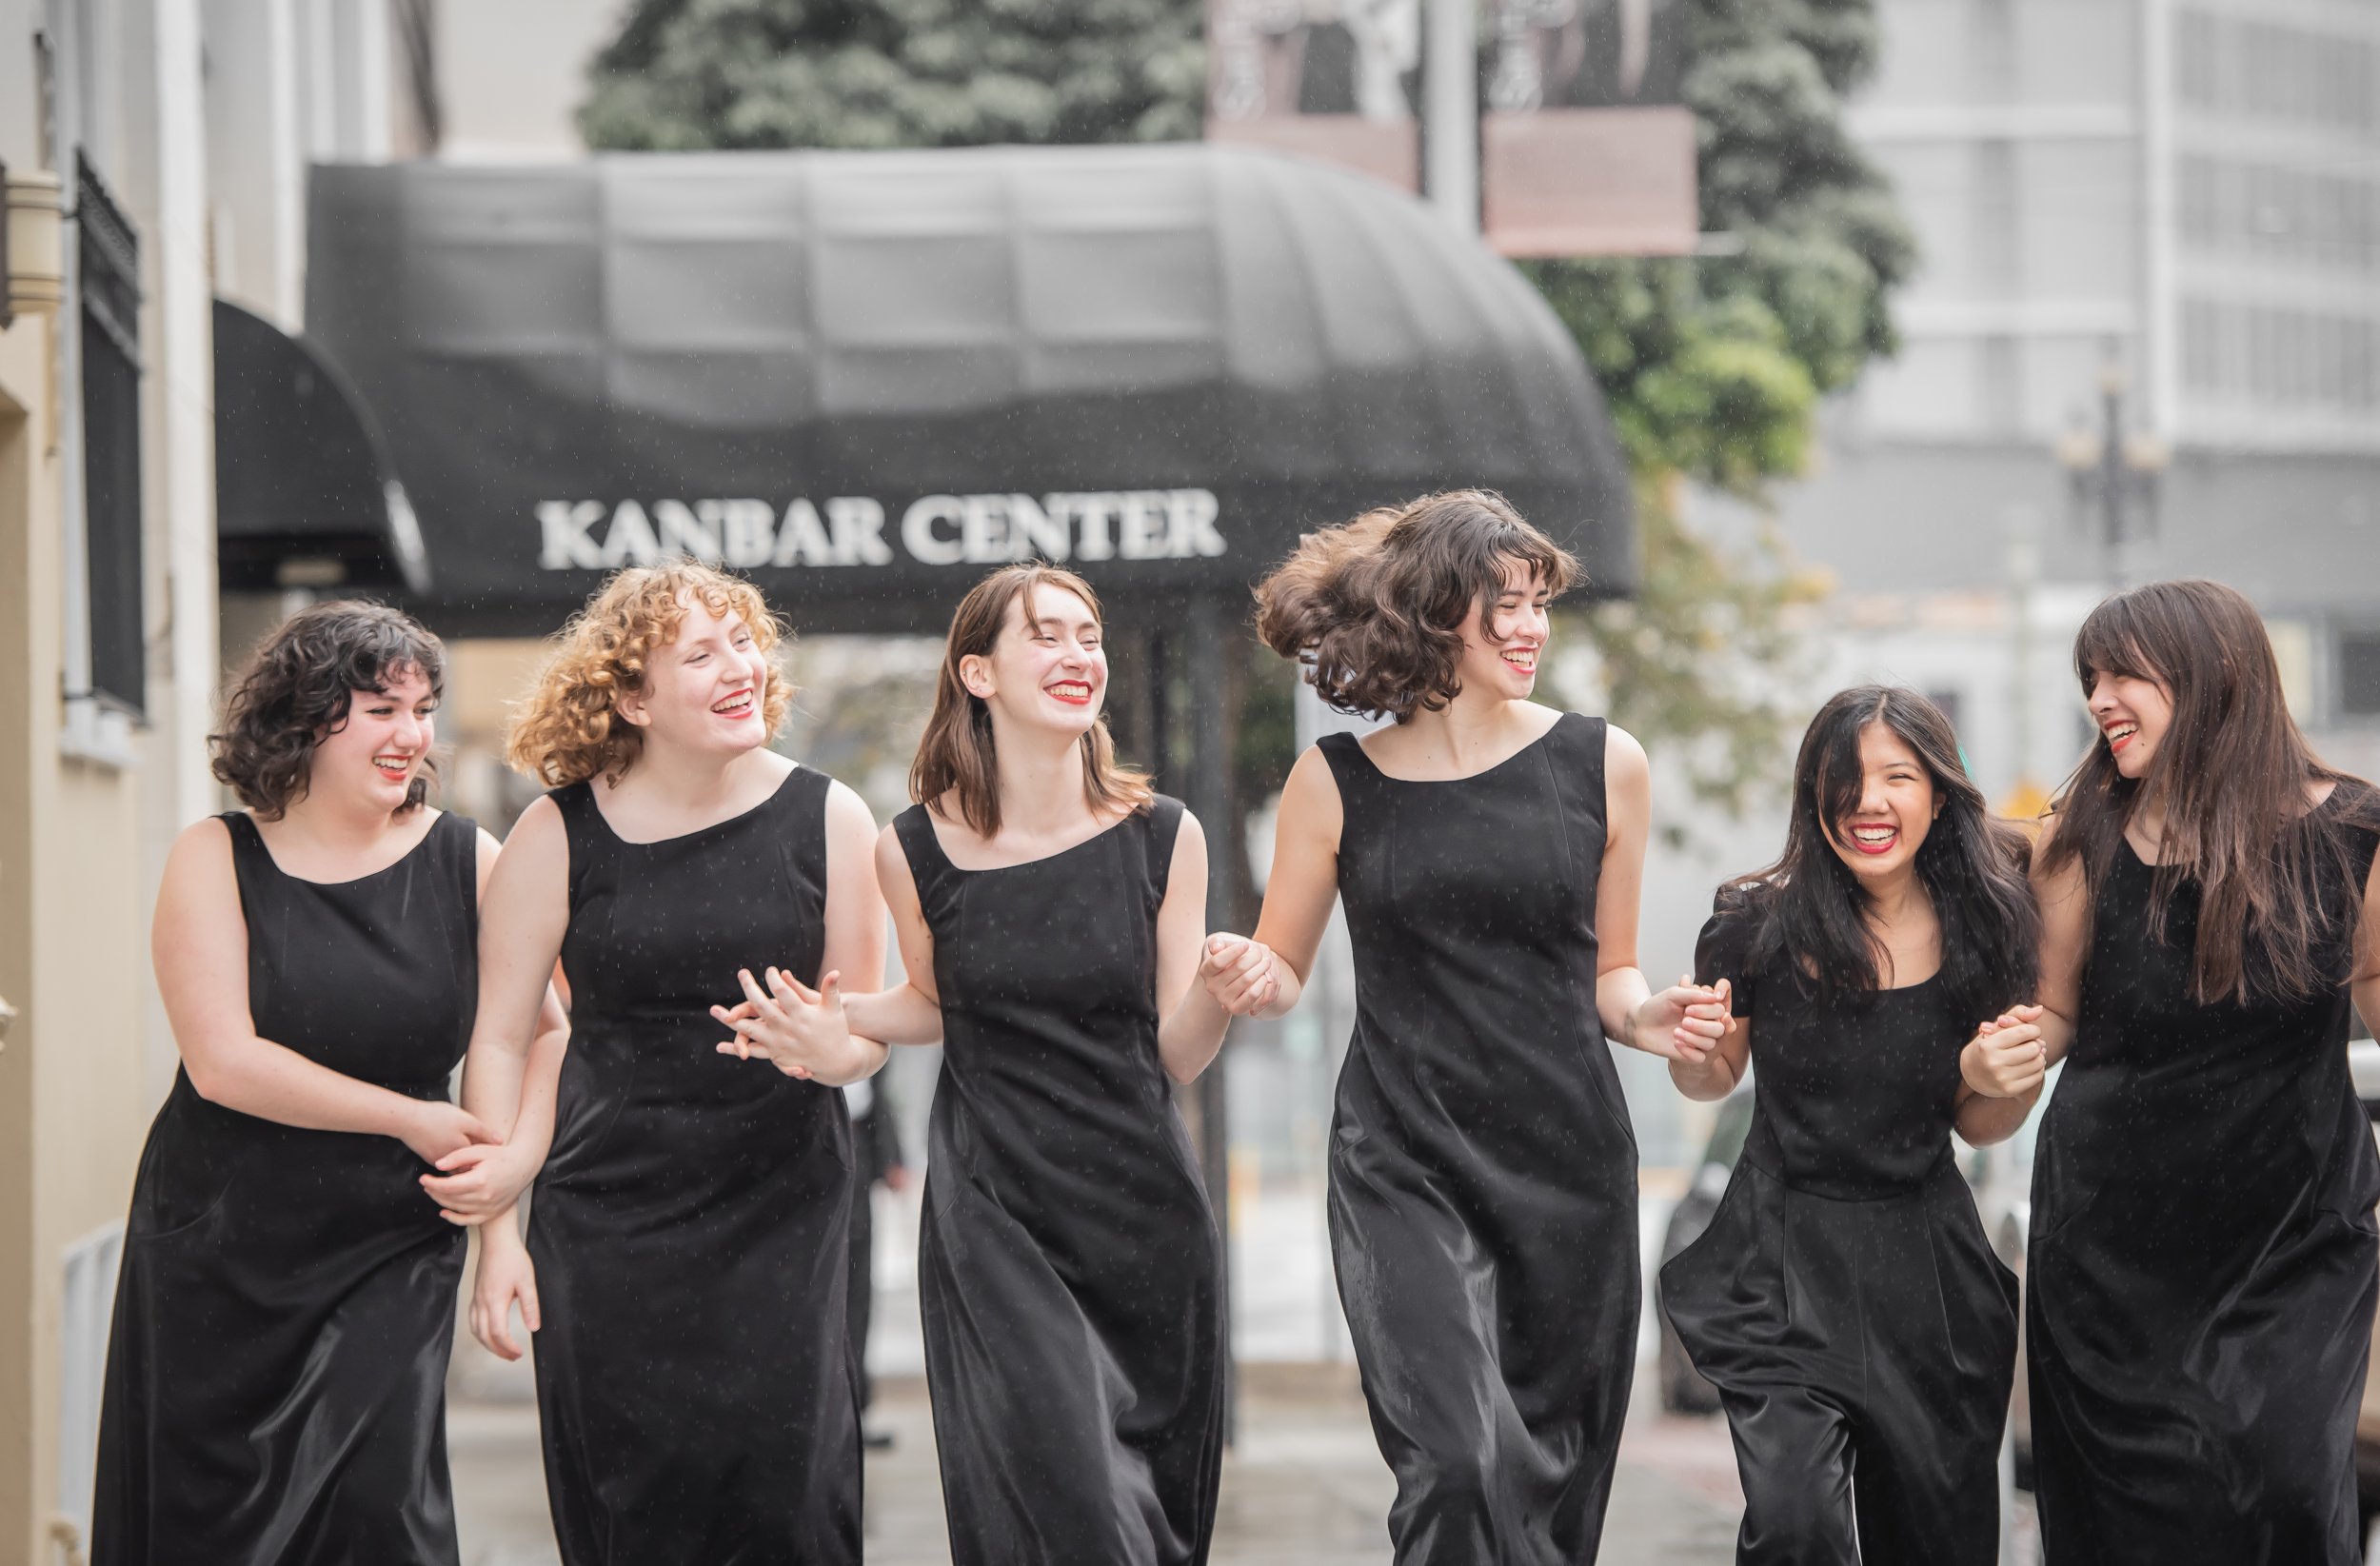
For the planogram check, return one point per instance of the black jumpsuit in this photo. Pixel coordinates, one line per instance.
(2204, 1261)
(689, 1228)
(276, 1385)
(1844, 1300)
(1482, 1172)
(1069, 1270)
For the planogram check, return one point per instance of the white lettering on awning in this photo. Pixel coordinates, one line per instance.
(987, 530)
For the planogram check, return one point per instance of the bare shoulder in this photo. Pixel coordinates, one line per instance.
(846, 812)
(1624, 759)
(892, 866)
(201, 854)
(1189, 833)
(1310, 804)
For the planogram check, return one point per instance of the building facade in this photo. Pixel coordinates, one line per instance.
(157, 150)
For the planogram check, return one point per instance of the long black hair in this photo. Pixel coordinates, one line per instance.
(1810, 910)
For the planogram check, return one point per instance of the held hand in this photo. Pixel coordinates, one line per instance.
(1686, 1021)
(434, 1129)
(505, 1275)
(2006, 1058)
(798, 1030)
(1238, 973)
(479, 1181)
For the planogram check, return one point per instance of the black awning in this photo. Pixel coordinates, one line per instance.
(865, 377)
(303, 493)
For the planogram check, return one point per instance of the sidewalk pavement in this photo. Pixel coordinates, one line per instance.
(1303, 1485)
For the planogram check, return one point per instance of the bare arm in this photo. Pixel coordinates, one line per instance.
(911, 1011)
(1194, 1022)
(1304, 883)
(2365, 985)
(1983, 1120)
(1630, 1011)
(2003, 1067)
(523, 915)
(199, 943)
(481, 1183)
(1715, 1071)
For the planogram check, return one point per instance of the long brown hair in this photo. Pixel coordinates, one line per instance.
(958, 757)
(570, 728)
(1374, 608)
(2231, 774)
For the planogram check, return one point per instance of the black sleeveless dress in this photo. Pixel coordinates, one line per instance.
(1069, 1270)
(1483, 1172)
(276, 1383)
(2204, 1260)
(1844, 1300)
(689, 1227)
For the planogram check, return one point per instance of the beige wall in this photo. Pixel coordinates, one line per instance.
(72, 1093)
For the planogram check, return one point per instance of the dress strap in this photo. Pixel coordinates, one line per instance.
(929, 865)
(1163, 830)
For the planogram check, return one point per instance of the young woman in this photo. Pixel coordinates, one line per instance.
(2202, 1273)
(1844, 1299)
(276, 1377)
(1050, 911)
(1483, 1172)
(689, 1229)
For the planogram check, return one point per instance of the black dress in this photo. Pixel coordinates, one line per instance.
(689, 1229)
(276, 1375)
(2204, 1259)
(1069, 1270)
(1482, 1172)
(1844, 1300)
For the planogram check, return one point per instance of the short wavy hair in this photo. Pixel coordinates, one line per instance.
(298, 688)
(1374, 608)
(569, 727)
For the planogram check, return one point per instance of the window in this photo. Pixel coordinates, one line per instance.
(2359, 673)
(110, 262)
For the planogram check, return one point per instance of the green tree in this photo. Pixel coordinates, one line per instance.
(1714, 368)
(875, 74)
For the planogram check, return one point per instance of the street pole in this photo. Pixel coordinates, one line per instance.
(1450, 111)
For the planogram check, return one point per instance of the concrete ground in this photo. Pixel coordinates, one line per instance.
(1304, 1486)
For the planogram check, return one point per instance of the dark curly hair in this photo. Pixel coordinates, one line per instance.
(299, 686)
(1374, 608)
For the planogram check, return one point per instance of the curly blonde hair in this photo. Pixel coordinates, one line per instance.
(569, 729)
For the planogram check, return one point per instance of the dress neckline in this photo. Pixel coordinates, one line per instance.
(2312, 811)
(596, 805)
(1490, 770)
(265, 848)
(935, 834)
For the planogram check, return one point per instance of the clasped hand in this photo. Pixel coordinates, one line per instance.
(798, 1030)
(1238, 972)
(2006, 1058)
(1686, 1021)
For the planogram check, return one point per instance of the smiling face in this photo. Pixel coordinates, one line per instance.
(705, 690)
(1502, 640)
(376, 752)
(1048, 669)
(2134, 713)
(1879, 838)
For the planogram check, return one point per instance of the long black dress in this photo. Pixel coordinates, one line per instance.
(1069, 1270)
(689, 1228)
(2204, 1260)
(275, 1389)
(1844, 1300)
(1482, 1171)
